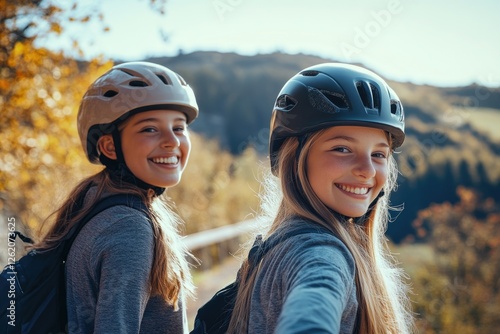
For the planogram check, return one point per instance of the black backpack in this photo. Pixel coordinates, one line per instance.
(214, 316)
(33, 289)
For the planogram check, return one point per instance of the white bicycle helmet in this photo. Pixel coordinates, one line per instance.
(125, 90)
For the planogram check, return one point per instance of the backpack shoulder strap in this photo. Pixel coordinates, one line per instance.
(129, 200)
(260, 247)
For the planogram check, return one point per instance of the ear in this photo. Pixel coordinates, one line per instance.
(106, 146)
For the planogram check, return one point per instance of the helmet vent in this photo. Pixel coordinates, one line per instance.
(325, 101)
(127, 72)
(339, 100)
(138, 83)
(369, 94)
(285, 103)
(395, 107)
(162, 78)
(309, 73)
(181, 79)
(110, 93)
(376, 97)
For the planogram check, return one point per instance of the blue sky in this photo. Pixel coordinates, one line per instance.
(444, 43)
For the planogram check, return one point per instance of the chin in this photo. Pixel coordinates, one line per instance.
(354, 213)
(165, 183)
(171, 183)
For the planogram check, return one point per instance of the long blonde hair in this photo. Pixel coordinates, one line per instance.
(382, 295)
(170, 272)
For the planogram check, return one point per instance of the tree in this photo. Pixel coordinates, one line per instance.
(41, 157)
(460, 291)
(217, 188)
(40, 89)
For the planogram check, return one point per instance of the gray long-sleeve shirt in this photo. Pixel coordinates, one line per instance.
(305, 285)
(108, 270)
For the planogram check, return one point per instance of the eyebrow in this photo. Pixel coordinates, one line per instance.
(354, 140)
(156, 120)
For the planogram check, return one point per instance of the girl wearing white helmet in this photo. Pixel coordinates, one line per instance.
(127, 269)
(333, 130)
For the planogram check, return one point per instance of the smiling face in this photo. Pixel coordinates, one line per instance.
(347, 167)
(156, 146)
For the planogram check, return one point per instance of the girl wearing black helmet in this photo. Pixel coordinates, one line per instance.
(333, 130)
(127, 270)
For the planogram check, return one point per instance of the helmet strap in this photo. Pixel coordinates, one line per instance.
(119, 170)
(362, 220)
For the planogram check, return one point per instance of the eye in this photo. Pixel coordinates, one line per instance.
(341, 149)
(149, 130)
(180, 128)
(381, 155)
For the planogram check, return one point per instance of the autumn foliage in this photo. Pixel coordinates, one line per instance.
(41, 157)
(458, 289)
(39, 98)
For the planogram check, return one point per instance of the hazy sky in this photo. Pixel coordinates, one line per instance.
(440, 42)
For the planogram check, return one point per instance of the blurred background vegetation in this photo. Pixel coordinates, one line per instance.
(447, 236)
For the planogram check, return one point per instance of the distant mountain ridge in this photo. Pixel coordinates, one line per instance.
(232, 89)
(447, 142)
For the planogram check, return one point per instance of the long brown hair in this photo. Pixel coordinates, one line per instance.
(170, 273)
(381, 293)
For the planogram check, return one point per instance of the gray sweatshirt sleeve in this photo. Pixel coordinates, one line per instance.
(108, 278)
(305, 286)
(122, 258)
(319, 286)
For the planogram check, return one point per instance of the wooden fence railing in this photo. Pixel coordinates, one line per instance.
(212, 246)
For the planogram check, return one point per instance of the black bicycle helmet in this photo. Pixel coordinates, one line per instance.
(333, 94)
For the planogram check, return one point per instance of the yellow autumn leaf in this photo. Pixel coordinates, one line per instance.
(56, 28)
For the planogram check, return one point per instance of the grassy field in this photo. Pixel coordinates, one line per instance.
(486, 120)
(413, 256)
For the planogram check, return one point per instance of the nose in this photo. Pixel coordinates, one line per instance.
(364, 167)
(169, 139)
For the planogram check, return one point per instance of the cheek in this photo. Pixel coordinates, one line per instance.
(185, 146)
(125, 142)
(129, 137)
(133, 144)
(382, 175)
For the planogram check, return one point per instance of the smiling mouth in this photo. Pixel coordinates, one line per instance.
(353, 190)
(166, 161)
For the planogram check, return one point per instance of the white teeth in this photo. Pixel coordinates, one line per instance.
(169, 160)
(354, 190)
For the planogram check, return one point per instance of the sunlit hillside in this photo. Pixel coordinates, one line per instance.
(445, 228)
(451, 136)
(451, 139)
